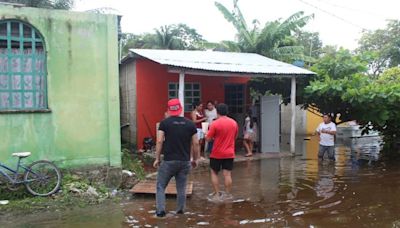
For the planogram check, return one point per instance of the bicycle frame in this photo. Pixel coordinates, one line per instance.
(13, 179)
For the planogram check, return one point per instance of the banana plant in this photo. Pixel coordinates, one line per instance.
(274, 39)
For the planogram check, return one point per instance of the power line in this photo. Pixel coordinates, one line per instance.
(333, 15)
(352, 9)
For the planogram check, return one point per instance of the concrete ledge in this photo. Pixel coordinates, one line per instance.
(110, 176)
(25, 111)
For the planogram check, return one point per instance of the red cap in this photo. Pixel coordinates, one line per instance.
(174, 107)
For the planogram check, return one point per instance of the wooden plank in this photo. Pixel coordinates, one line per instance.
(149, 187)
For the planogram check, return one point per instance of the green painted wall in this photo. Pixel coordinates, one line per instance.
(83, 92)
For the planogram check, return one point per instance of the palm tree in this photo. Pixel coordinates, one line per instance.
(274, 40)
(166, 38)
(173, 37)
(48, 4)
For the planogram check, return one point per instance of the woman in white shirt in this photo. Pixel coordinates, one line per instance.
(211, 114)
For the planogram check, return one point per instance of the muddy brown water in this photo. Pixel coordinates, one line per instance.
(355, 191)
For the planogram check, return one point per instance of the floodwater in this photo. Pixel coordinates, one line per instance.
(355, 191)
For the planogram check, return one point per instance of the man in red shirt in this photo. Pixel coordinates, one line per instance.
(223, 131)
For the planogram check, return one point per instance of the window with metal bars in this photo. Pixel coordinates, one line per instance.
(235, 98)
(22, 68)
(192, 93)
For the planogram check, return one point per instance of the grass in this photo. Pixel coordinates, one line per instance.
(131, 162)
(73, 192)
(20, 201)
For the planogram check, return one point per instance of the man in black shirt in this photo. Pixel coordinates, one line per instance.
(175, 137)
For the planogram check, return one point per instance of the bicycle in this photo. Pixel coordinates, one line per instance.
(41, 178)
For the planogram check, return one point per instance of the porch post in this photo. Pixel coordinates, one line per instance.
(293, 120)
(181, 93)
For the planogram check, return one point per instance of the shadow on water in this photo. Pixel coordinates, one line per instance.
(357, 190)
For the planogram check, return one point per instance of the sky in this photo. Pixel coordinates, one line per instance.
(339, 22)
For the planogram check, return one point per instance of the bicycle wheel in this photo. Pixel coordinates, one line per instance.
(42, 178)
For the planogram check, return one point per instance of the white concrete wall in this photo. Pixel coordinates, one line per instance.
(301, 120)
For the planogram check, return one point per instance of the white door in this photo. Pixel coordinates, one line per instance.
(270, 124)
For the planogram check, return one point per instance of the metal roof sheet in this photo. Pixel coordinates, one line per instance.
(248, 63)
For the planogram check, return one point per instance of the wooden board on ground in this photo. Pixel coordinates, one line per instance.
(149, 187)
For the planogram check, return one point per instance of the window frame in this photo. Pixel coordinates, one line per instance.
(36, 40)
(234, 104)
(187, 106)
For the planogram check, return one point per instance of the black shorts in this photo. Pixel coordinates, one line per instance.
(218, 164)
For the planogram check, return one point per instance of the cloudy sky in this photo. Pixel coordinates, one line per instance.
(339, 22)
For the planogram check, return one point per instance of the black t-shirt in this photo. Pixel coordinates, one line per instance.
(178, 138)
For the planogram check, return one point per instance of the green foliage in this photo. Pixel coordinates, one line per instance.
(188, 37)
(173, 37)
(279, 86)
(343, 88)
(383, 45)
(361, 86)
(333, 64)
(166, 37)
(48, 4)
(277, 40)
(327, 95)
(21, 201)
(274, 40)
(311, 42)
(131, 162)
(339, 63)
(225, 45)
(19, 193)
(339, 71)
(129, 40)
(374, 103)
(389, 76)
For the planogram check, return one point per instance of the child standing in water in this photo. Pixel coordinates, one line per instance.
(249, 134)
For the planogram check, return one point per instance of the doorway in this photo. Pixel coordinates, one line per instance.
(235, 97)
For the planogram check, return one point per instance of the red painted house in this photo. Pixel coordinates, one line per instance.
(149, 78)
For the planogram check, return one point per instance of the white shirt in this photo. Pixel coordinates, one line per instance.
(247, 124)
(211, 115)
(327, 139)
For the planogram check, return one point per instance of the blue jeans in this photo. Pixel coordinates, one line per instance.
(167, 170)
(330, 150)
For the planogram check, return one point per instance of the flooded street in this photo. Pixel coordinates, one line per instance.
(356, 191)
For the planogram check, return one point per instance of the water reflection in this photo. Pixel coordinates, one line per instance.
(364, 149)
(357, 190)
(324, 187)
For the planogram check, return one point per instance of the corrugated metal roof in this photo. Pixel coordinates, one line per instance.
(232, 62)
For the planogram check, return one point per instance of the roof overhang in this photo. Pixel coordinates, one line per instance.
(221, 64)
(189, 71)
